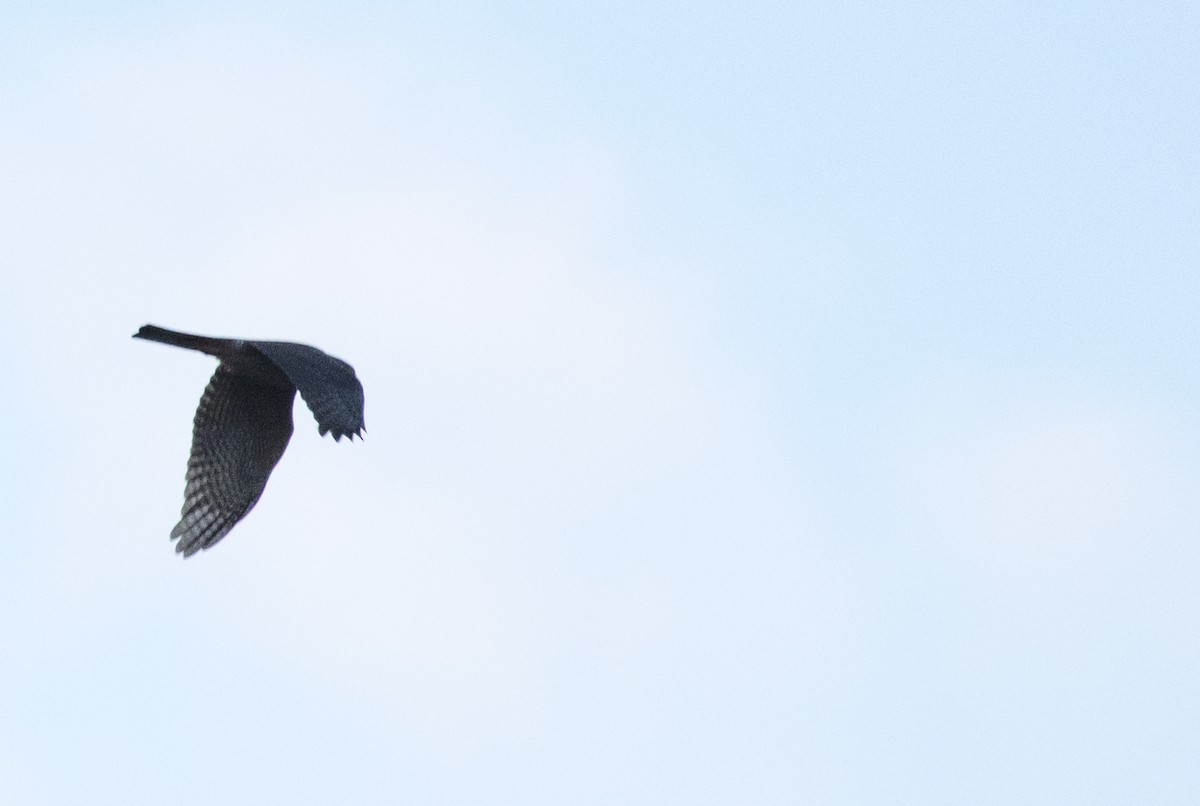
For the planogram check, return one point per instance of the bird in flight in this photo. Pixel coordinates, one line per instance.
(244, 423)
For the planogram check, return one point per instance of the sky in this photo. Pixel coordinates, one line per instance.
(767, 403)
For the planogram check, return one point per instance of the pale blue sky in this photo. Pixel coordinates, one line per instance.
(767, 404)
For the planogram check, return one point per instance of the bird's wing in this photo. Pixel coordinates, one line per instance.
(327, 384)
(241, 429)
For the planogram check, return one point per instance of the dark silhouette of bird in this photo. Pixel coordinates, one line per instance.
(244, 423)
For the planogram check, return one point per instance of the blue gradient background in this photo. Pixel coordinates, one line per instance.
(768, 403)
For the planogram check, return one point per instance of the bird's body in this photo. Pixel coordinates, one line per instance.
(244, 423)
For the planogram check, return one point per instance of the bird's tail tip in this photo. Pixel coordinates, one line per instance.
(204, 344)
(156, 333)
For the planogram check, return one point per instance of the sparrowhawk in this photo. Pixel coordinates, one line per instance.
(244, 423)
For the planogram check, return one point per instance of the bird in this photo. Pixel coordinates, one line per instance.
(244, 423)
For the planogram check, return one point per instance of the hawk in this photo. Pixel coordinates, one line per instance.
(244, 423)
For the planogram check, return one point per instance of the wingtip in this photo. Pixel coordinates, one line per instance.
(189, 548)
(337, 434)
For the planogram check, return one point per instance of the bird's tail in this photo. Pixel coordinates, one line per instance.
(204, 344)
